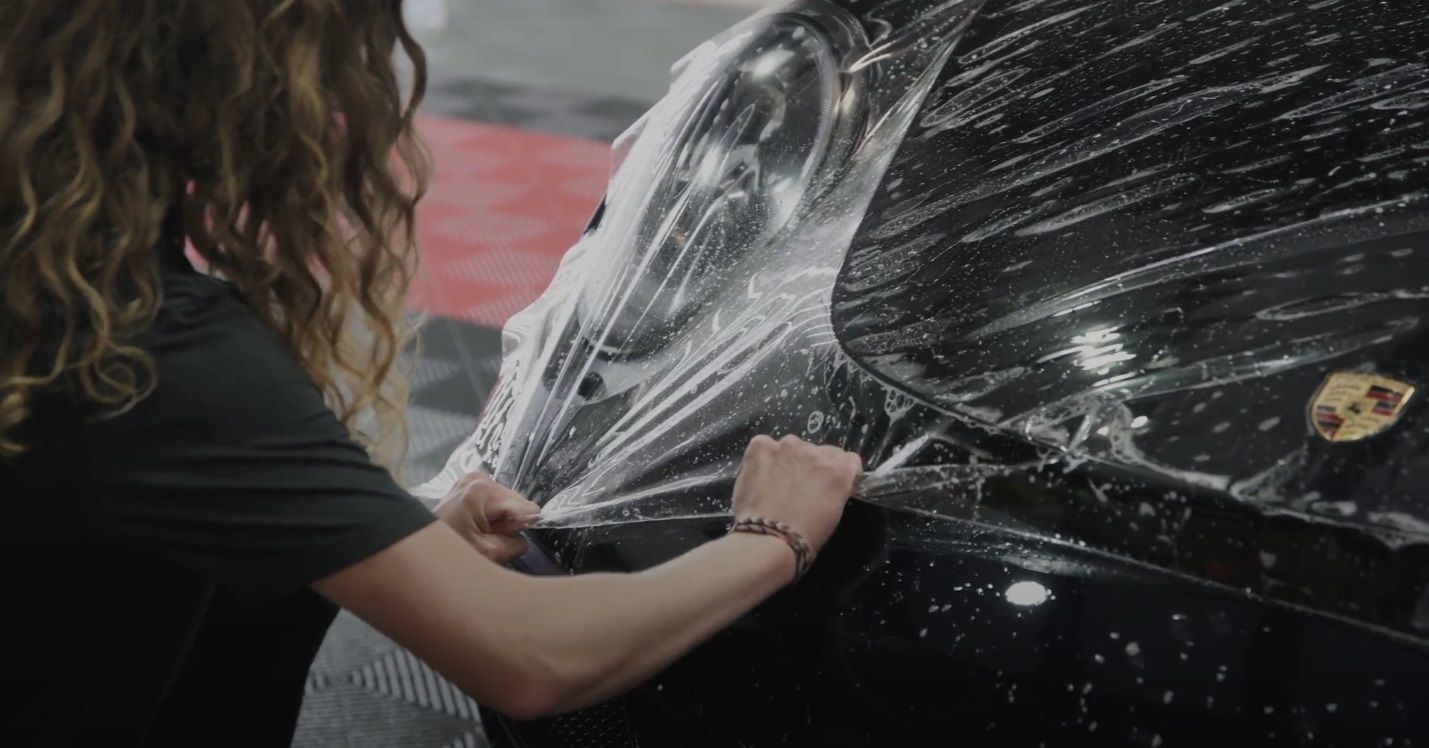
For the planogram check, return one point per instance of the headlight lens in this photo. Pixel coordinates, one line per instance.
(758, 118)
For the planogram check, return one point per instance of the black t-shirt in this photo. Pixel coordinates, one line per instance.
(154, 564)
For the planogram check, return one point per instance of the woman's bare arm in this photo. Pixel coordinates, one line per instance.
(531, 646)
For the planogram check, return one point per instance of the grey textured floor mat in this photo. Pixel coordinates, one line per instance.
(364, 691)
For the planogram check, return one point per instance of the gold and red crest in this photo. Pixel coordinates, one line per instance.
(1352, 405)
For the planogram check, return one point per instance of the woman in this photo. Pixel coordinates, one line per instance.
(185, 462)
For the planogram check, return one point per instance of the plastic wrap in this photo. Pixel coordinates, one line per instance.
(1145, 234)
(1073, 269)
(629, 388)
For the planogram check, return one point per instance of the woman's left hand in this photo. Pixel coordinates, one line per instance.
(488, 515)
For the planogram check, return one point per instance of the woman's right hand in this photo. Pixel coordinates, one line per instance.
(800, 484)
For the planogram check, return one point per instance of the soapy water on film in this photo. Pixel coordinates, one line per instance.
(880, 486)
(1247, 246)
(713, 379)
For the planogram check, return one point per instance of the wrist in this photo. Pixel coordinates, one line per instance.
(803, 551)
(777, 561)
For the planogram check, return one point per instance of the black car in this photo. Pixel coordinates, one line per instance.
(1125, 302)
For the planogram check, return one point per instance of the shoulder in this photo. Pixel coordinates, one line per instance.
(221, 374)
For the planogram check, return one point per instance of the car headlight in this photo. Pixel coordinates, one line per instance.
(751, 123)
(635, 379)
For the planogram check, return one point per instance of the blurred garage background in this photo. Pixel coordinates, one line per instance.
(524, 99)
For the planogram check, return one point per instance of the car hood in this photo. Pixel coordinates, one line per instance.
(1148, 233)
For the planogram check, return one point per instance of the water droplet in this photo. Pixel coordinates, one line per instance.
(1027, 594)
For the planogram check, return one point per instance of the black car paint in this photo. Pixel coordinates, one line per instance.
(1191, 242)
(1168, 627)
(903, 636)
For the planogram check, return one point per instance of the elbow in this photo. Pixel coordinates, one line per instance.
(540, 691)
(528, 703)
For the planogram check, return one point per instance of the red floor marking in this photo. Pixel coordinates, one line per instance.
(503, 207)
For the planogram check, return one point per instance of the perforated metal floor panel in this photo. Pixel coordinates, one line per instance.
(604, 726)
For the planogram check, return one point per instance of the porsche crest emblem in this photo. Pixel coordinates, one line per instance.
(1351, 405)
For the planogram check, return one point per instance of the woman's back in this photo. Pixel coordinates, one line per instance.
(172, 470)
(162, 554)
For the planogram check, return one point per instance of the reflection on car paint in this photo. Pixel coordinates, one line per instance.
(1094, 264)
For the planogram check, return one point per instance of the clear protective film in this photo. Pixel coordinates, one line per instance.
(630, 388)
(1044, 275)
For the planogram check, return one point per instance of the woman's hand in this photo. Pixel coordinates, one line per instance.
(489, 516)
(802, 485)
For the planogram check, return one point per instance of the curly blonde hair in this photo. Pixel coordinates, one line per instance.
(278, 128)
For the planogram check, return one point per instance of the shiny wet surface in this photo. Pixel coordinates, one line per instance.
(1070, 278)
(1143, 235)
(919, 632)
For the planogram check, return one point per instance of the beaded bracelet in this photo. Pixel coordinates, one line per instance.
(803, 553)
